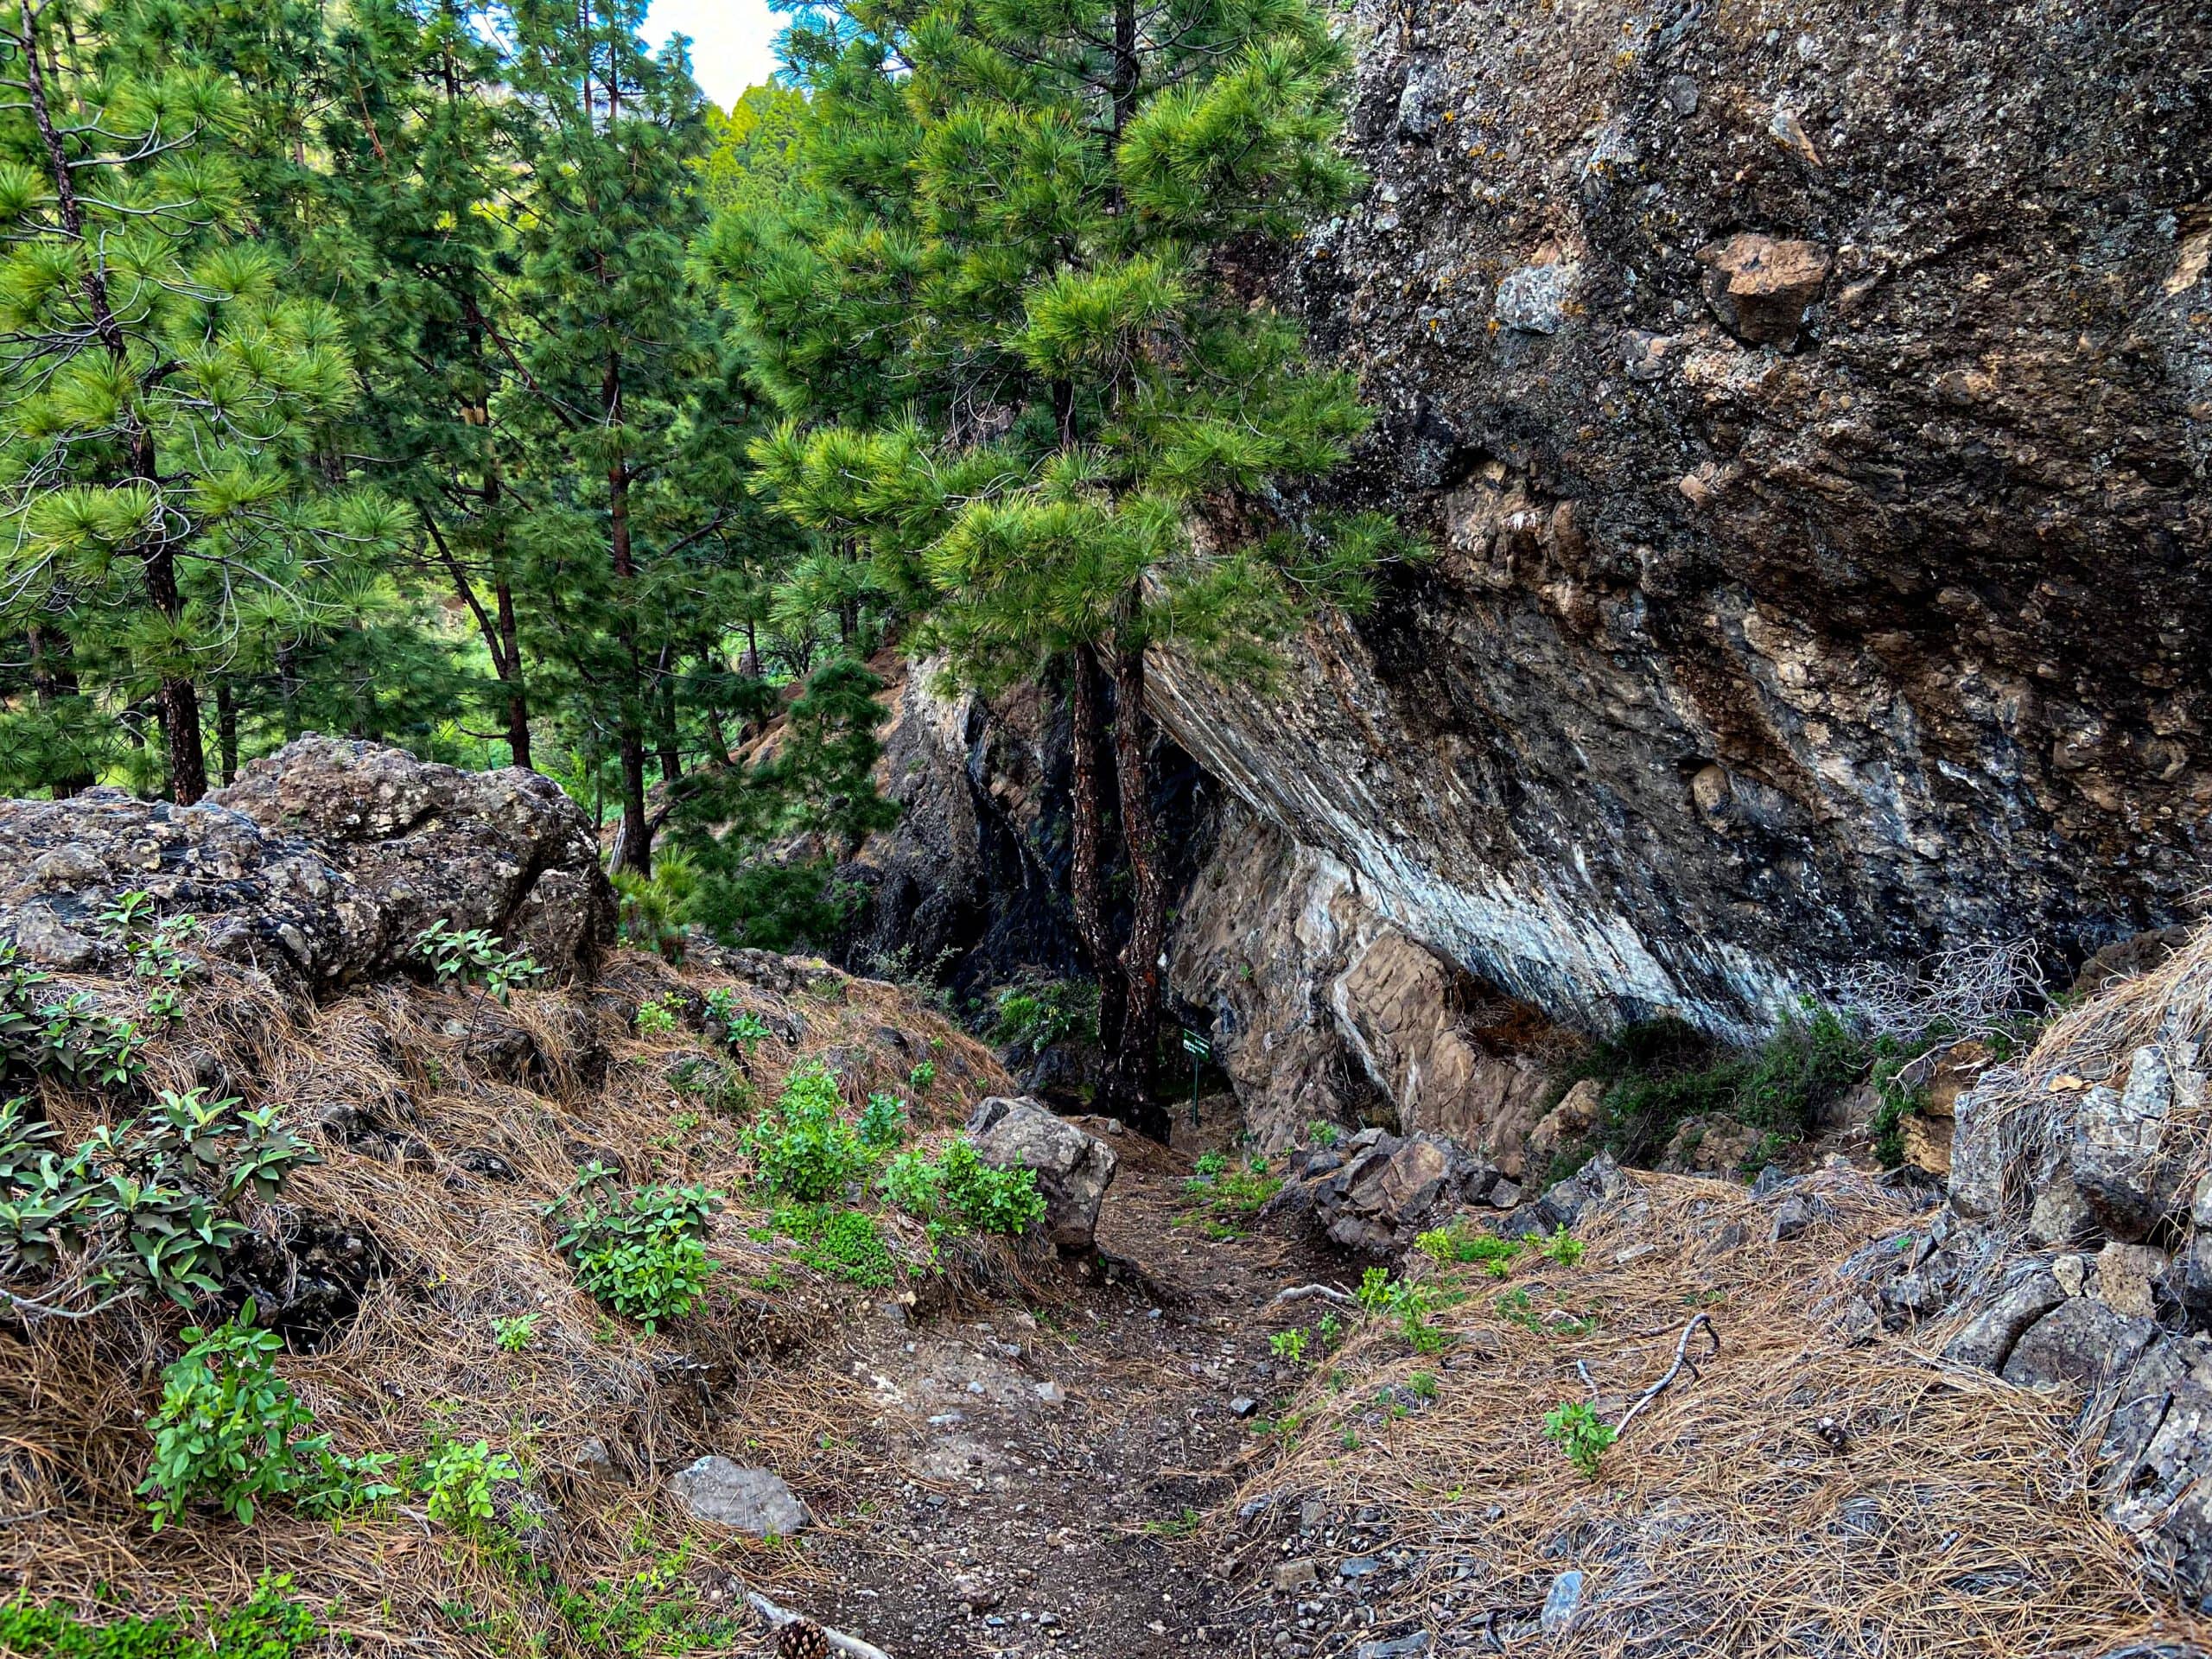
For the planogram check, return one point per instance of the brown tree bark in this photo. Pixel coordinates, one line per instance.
(1087, 849)
(1131, 1088)
(226, 732)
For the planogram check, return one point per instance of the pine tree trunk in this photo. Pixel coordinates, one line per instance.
(1087, 838)
(671, 758)
(179, 700)
(227, 731)
(510, 667)
(1132, 1067)
(53, 679)
(634, 845)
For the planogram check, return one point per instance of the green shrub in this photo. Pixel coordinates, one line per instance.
(658, 1016)
(64, 1037)
(474, 956)
(515, 1335)
(1289, 1346)
(140, 1204)
(459, 1483)
(1561, 1247)
(883, 1123)
(228, 1428)
(958, 1191)
(1227, 1194)
(1576, 1430)
(842, 1243)
(227, 1432)
(922, 1075)
(802, 1148)
(1657, 1073)
(640, 1254)
(155, 947)
(1321, 1134)
(1461, 1244)
(272, 1625)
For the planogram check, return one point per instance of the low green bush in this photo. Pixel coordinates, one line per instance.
(842, 1243)
(474, 956)
(883, 1123)
(141, 1205)
(1030, 1016)
(230, 1431)
(44, 1035)
(271, 1625)
(639, 1252)
(958, 1191)
(1576, 1430)
(459, 1483)
(802, 1148)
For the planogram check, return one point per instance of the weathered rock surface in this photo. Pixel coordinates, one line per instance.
(1073, 1168)
(724, 1494)
(506, 850)
(320, 865)
(1377, 1190)
(2087, 1150)
(1813, 422)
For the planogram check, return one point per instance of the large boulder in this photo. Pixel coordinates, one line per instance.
(1073, 1169)
(320, 865)
(506, 850)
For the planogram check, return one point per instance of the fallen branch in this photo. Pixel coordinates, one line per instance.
(778, 1619)
(1682, 1359)
(1308, 1292)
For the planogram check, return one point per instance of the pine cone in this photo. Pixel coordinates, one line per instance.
(802, 1639)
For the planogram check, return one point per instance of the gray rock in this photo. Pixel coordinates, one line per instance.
(1291, 1575)
(1534, 298)
(1398, 1647)
(2060, 1215)
(1390, 1188)
(1073, 1169)
(724, 1494)
(2080, 1343)
(1562, 1604)
(1987, 1342)
(319, 865)
(2118, 1156)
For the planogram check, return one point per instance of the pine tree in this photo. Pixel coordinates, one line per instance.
(165, 474)
(1006, 315)
(615, 373)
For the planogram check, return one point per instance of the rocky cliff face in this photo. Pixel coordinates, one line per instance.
(1810, 407)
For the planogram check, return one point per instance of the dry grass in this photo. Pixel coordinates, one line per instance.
(412, 1078)
(1955, 1520)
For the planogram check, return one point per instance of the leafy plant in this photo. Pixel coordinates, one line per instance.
(657, 1016)
(65, 1037)
(516, 1335)
(883, 1123)
(273, 1624)
(459, 1483)
(1409, 1304)
(474, 956)
(1561, 1247)
(154, 947)
(958, 1191)
(639, 1252)
(1461, 1244)
(1578, 1431)
(1289, 1345)
(227, 1432)
(228, 1428)
(139, 1205)
(922, 1075)
(741, 1027)
(1422, 1385)
(802, 1148)
(1321, 1134)
(1210, 1165)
